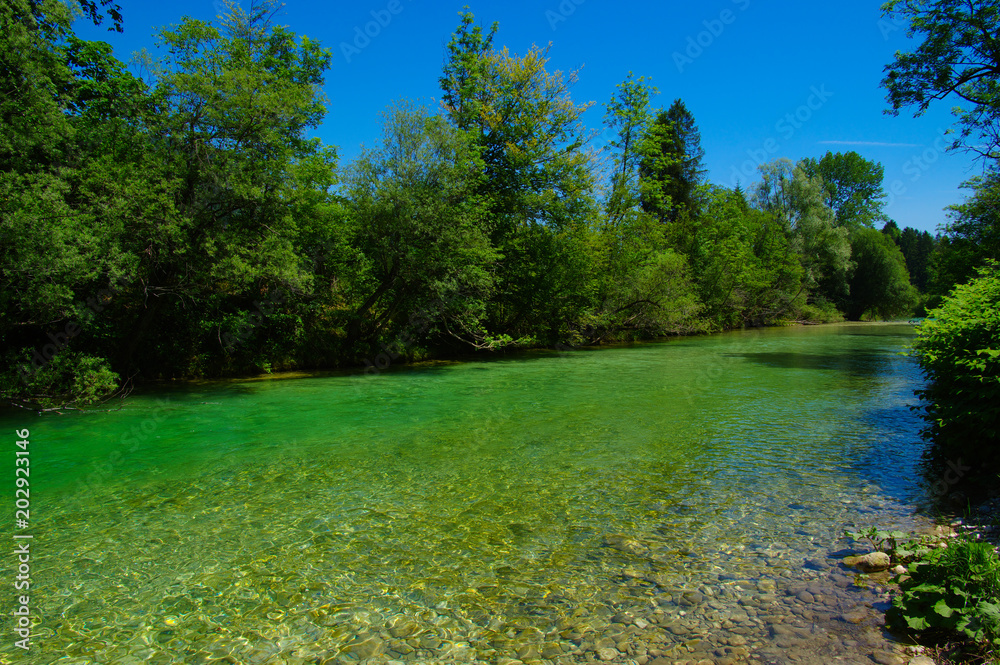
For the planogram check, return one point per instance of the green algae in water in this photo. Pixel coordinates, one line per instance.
(461, 511)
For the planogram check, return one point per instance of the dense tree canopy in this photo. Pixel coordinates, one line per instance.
(796, 203)
(537, 182)
(972, 236)
(880, 282)
(959, 349)
(188, 226)
(421, 226)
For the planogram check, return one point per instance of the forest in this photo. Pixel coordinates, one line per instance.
(179, 222)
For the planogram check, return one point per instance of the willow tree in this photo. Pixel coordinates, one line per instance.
(796, 202)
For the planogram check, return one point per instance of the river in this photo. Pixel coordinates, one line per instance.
(682, 500)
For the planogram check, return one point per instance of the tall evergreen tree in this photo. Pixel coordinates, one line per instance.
(671, 169)
(891, 229)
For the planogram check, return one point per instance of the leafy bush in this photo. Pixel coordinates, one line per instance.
(878, 539)
(69, 379)
(821, 312)
(959, 349)
(951, 591)
(892, 543)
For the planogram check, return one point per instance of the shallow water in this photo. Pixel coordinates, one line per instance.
(678, 500)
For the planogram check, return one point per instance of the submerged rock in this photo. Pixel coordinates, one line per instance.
(606, 653)
(767, 585)
(365, 648)
(691, 598)
(404, 628)
(625, 544)
(857, 615)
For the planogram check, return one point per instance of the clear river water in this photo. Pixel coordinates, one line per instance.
(674, 502)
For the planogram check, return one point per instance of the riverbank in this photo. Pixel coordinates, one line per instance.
(983, 522)
(402, 352)
(945, 647)
(375, 365)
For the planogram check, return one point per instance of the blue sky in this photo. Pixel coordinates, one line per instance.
(762, 79)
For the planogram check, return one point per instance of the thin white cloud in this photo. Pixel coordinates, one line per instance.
(874, 143)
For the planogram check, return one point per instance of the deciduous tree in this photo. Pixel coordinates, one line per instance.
(957, 58)
(852, 186)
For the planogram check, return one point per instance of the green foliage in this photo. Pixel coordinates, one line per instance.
(821, 312)
(796, 203)
(628, 116)
(879, 285)
(421, 228)
(958, 347)
(233, 105)
(959, 56)
(918, 250)
(953, 591)
(187, 225)
(671, 169)
(972, 236)
(881, 541)
(70, 379)
(891, 229)
(746, 273)
(852, 185)
(645, 289)
(537, 184)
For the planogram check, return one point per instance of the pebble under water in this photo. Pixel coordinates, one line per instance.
(678, 502)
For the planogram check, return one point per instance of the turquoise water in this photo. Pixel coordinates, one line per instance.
(464, 511)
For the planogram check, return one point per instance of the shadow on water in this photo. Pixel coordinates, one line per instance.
(955, 476)
(896, 462)
(849, 362)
